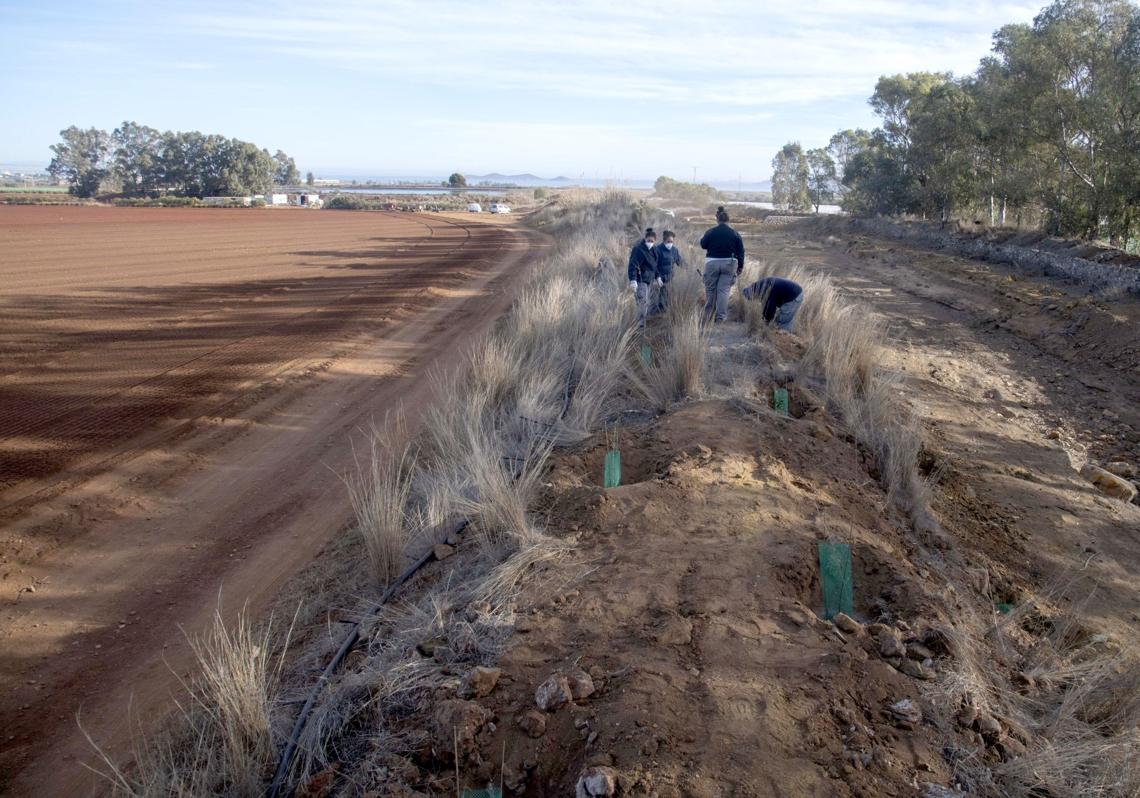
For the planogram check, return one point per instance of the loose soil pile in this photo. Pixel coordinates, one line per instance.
(686, 621)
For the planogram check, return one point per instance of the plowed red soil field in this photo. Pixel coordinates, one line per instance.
(179, 389)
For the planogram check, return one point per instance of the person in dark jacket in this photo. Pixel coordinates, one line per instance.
(724, 261)
(668, 258)
(781, 298)
(643, 272)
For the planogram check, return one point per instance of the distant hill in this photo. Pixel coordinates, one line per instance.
(496, 177)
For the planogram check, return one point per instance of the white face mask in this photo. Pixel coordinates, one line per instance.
(668, 245)
(649, 243)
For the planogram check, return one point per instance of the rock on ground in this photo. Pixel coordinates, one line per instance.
(480, 682)
(596, 782)
(533, 723)
(455, 723)
(553, 693)
(581, 684)
(1109, 484)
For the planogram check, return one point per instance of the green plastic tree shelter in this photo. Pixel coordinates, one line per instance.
(780, 400)
(835, 579)
(646, 355)
(612, 469)
(489, 792)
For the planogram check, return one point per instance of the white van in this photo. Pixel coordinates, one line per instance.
(500, 207)
(474, 207)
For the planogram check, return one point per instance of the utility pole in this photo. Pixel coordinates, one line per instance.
(694, 174)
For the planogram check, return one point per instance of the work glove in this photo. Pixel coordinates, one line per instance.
(633, 285)
(660, 282)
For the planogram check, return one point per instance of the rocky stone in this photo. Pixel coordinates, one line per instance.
(1010, 748)
(401, 768)
(553, 693)
(442, 551)
(1122, 469)
(987, 725)
(938, 791)
(845, 623)
(675, 631)
(918, 651)
(890, 647)
(455, 723)
(905, 714)
(480, 682)
(876, 629)
(966, 716)
(916, 670)
(939, 640)
(596, 782)
(1109, 484)
(533, 723)
(581, 684)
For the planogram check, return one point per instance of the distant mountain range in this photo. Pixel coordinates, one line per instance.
(495, 177)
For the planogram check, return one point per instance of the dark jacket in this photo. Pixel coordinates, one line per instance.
(666, 260)
(642, 263)
(724, 242)
(773, 292)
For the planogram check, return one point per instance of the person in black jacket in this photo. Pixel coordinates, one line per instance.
(668, 258)
(724, 261)
(781, 298)
(643, 272)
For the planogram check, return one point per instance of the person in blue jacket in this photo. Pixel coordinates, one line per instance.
(668, 258)
(781, 298)
(724, 261)
(643, 272)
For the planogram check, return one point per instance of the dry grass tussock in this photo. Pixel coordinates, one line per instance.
(1072, 722)
(844, 348)
(378, 492)
(222, 740)
(675, 368)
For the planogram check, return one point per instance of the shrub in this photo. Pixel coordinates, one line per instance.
(348, 202)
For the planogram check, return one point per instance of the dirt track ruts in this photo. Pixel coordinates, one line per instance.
(213, 466)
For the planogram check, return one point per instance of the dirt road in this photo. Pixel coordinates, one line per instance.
(1020, 380)
(177, 417)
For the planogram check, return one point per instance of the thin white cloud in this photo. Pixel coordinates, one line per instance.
(736, 54)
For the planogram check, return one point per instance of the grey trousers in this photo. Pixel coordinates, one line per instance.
(642, 297)
(720, 274)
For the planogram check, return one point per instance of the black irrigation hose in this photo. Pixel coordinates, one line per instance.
(349, 642)
(285, 764)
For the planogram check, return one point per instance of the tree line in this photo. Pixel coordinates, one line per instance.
(136, 160)
(697, 193)
(1045, 132)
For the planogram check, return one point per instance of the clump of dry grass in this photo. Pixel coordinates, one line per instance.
(676, 370)
(378, 493)
(844, 347)
(1075, 729)
(223, 741)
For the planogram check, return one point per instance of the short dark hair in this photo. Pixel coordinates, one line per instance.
(668, 234)
(721, 214)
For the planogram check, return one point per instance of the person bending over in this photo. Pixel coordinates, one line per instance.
(724, 261)
(781, 298)
(668, 257)
(643, 272)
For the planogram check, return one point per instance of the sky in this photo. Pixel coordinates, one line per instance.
(609, 89)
